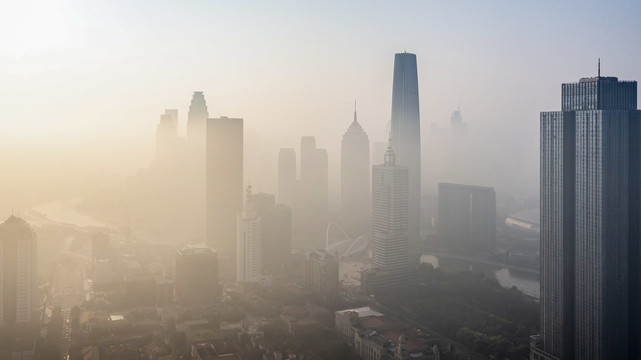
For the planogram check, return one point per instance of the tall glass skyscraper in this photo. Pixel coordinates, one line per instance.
(406, 135)
(590, 166)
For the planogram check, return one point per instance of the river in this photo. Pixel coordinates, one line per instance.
(528, 283)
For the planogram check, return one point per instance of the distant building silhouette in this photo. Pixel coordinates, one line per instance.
(322, 273)
(249, 242)
(458, 128)
(196, 281)
(167, 140)
(196, 120)
(18, 270)
(467, 216)
(406, 135)
(224, 188)
(308, 196)
(590, 222)
(276, 232)
(355, 169)
(287, 179)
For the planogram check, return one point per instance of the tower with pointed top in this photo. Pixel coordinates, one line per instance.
(249, 242)
(355, 168)
(406, 134)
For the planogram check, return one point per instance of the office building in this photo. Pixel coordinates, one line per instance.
(18, 271)
(322, 274)
(458, 128)
(390, 219)
(406, 135)
(276, 232)
(249, 243)
(287, 179)
(467, 217)
(167, 138)
(590, 165)
(196, 120)
(355, 169)
(196, 281)
(224, 188)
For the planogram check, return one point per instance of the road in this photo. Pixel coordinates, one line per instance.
(68, 291)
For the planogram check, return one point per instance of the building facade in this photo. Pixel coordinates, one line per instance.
(249, 242)
(355, 171)
(224, 198)
(18, 271)
(276, 232)
(196, 282)
(467, 216)
(406, 135)
(322, 273)
(590, 200)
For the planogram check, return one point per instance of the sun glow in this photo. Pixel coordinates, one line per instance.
(31, 26)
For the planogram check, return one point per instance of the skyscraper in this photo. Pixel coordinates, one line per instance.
(310, 203)
(224, 188)
(458, 128)
(249, 242)
(196, 120)
(322, 273)
(276, 232)
(467, 216)
(355, 170)
(406, 135)
(167, 137)
(390, 216)
(196, 277)
(590, 200)
(287, 176)
(18, 271)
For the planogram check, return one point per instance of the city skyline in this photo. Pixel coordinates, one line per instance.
(459, 62)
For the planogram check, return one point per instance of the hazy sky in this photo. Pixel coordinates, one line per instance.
(74, 74)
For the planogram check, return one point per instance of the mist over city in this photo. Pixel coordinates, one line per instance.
(338, 180)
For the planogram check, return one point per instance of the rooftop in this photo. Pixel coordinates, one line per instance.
(362, 312)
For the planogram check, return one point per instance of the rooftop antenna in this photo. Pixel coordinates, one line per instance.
(599, 71)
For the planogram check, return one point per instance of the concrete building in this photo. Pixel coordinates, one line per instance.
(458, 128)
(224, 188)
(390, 220)
(322, 274)
(276, 232)
(590, 246)
(287, 176)
(167, 140)
(355, 170)
(18, 271)
(467, 216)
(406, 135)
(249, 242)
(196, 282)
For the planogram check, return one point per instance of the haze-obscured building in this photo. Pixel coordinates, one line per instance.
(322, 273)
(224, 188)
(249, 242)
(196, 282)
(276, 232)
(355, 171)
(467, 216)
(18, 271)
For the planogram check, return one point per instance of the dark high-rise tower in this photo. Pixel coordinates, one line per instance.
(355, 179)
(590, 164)
(406, 135)
(224, 188)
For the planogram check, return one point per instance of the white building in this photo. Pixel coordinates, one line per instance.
(249, 253)
(18, 271)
